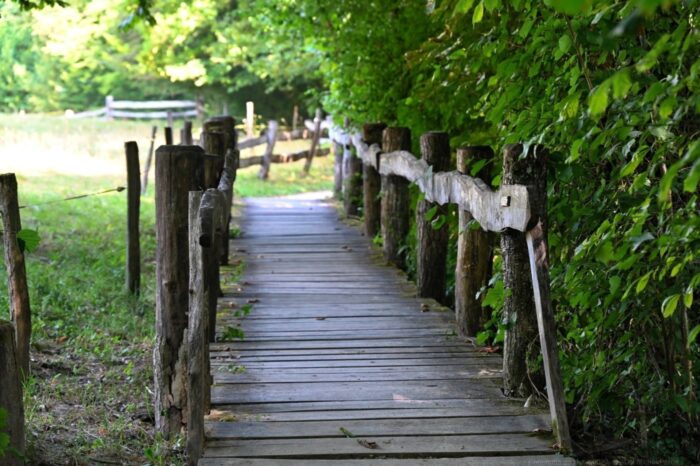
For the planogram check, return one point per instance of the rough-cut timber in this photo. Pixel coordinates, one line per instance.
(314, 141)
(168, 134)
(281, 158)
(133, 204)
(353, 181)
(519, 305)
(187, 133)
(431, 252)
(177, 169)
(11, 395)
(371, 182)
(338, 170)
(20, 310)
(395, 199)
(342, 364)
(474, 251)
(271, 135)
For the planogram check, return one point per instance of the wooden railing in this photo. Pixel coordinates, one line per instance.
(156, 109)
(381, 173)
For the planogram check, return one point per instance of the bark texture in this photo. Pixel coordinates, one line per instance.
(395, 200)
(371, 182)
(133, 196)
(11, 395)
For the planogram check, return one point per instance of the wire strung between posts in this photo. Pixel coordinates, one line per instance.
(118, 189)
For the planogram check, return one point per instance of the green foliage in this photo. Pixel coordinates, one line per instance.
(233, 333)
(4, 436)
(28, 240)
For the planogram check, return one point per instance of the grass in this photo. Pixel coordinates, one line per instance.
(90, 399)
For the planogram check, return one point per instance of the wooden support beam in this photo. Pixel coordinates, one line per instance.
(187, 133)
(431, 252)
(269, 149)
(371, 181)
(168, 133)
(149, 158)
(314, 141)
(177, 173)
(133, 204)
(395, 199)
(20, 310)
(11, 397)
(519, 307)
(338, 170)
(474, 251)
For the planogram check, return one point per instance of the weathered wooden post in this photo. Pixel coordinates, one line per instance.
(11, 397)
(519, 306)
(338, 170)
(267, 157)
(201, 226)
(109, 111)
(169, 116)
(249, 119)
(20, 310)
(226, 125)
(149, 158)
(431, 253)
(177, 169)
(133, 203)
(352, 194)
(168, 132)
(395, 200)
(295, 119)
(187, 133)
(214, 145)
(371, 181)
(474, 252)
(314, 141)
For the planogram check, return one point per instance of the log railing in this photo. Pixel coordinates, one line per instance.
(516, 210)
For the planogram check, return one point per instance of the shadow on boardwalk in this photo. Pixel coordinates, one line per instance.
(341, 364)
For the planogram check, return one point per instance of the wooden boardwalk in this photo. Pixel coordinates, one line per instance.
(341, 364)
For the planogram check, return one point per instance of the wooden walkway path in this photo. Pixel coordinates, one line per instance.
(341, 364)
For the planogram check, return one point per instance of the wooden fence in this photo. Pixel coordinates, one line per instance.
(378, 178)
(157, 109)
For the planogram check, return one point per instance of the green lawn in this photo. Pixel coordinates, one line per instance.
(89, 398)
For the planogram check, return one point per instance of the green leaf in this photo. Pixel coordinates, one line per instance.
(463, 6)
(491, 5)
(438, 222)
(668, 307)
(615, 283)
(233, 333)
(605, 252)
(693, 334)
(565, 43)
(431, 213)
(575, 151)
(478, 13)
(621, 83)
(28, 240)
(598, 99)
(688, 299)
(476, 168)
(642, 283)
(690, 184)
(666, 107)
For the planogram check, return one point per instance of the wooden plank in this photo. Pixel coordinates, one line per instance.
(352, 391)
(383, 428)
(530, 460)
(341, 448)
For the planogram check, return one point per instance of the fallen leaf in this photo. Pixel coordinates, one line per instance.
(253, 301)
(368, 444)
(346, 432)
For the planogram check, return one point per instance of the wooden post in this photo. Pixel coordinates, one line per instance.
(214, 145)
(314, 141)
(201, 230)
(11, 397)
(133, 201)
(353, 182)
(371, 181)
(108, 107)
(226, 126)
(168, 130)
(431, 253)
(395, 200)
(147, 167)
(176, 174)
(20, 310)
(250, 119)
(187, 133)
(338, 170)
(267, 157)
(199, 106)
(539, 267)
(474, 253)
(169, 115)
(519, 305)
(295, 119)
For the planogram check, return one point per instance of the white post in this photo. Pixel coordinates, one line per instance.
(250, 119)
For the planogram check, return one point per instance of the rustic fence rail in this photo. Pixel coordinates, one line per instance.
(156, 109)
(516, 210)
